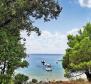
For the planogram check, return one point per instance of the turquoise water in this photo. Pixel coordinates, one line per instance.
(37, 70)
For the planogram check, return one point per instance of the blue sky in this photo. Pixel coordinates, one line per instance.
(72, 16)
(75, 14)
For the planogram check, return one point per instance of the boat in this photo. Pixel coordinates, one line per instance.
(48, 69)
(48, 65)
(43, 62)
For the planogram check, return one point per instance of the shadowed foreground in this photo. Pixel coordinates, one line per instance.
(62, 82)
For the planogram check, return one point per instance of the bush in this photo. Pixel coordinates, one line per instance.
(34, 80)
(20, 78)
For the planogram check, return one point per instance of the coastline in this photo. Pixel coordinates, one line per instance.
(47, 79)
(56, 79)
(79, 81)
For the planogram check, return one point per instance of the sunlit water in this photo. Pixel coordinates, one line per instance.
(37, 70)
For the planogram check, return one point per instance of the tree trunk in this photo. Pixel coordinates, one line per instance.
(88, 74)
(3, 69)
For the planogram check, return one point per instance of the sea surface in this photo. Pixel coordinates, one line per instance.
(37, 70)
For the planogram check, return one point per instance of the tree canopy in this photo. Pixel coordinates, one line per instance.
(19, 12)
(78, 54)
(20, 79)
(16, 15)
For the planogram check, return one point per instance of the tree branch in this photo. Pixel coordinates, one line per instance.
(6, 21)
(3, 69)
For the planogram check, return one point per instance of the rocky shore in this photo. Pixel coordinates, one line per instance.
(60, 82)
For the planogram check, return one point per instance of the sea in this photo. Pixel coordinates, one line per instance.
(36, 70)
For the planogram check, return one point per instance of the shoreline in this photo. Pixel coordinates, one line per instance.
(51, 78)
(57, 78)
(80, 81)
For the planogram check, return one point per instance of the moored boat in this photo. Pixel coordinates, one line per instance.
(48, 65)
(48, 69)
(43, 62)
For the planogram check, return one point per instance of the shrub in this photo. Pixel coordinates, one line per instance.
(34, 80)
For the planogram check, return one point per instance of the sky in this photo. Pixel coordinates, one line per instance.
(53, 40)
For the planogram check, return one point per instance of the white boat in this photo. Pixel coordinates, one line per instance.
(48, 69)
(48, 65)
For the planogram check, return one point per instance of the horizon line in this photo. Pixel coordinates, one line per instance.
(46, 53)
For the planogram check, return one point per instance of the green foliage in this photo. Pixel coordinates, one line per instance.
(78, 55)
(16, 15)
(5, 79)
(11, 54)
(20, 79)
(34, 80)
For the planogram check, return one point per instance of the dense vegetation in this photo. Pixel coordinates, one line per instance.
(78, 54)
(15, 15)
(20, 79)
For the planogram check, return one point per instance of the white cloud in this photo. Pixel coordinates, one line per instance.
(48, 42)
(85, 3)
(73, 31)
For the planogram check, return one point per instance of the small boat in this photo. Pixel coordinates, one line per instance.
(48, 69)
(48, 65)
(43, 62)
